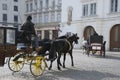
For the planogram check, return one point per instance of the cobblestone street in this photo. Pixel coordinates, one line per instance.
(85, 68)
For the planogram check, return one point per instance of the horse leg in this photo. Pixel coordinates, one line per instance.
(64, 60)
(50, 64)
(71, 58)
(58, 61)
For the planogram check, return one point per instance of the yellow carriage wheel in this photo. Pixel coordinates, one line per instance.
(37, 66)
(16, 65)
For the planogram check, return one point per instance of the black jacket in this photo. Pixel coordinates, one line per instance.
(28, 27)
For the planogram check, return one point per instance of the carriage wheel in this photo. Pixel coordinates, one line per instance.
(37, 65)
(17, 65)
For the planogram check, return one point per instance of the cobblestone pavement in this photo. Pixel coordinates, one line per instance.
(85, 68)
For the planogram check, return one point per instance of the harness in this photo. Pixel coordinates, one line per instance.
(70, 47)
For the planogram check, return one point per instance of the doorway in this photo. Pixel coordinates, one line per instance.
(115, 38)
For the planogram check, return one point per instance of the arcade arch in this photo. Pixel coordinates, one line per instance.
(89, 30)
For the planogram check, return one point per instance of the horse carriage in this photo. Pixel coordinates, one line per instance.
(95, 44)
(18, 55)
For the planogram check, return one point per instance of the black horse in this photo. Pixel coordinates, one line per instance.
(61, 46)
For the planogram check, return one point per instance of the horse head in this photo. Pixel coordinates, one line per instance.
(74, 38)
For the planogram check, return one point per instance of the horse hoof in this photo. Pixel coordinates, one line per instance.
(49, 68)
(59, 69)
(63, 66)
(60, 64)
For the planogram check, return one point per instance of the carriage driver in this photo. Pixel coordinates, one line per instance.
(29, 30)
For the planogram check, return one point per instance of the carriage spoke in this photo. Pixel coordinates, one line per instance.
(37, 66)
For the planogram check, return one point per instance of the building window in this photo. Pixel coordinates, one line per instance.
(89, 9)
(47, 4)
(53, 4)
(4, 17)
(15, 8)
(52, 17)
(31, 7)
(15, 0)
(35, 5)
(4, 6)
(114, 5)
(27, 7)
(59, 17)
(45, 18)
(40, 19)
(93, 9)
(59, 2)
(35, 19)
(15, 18)
(41, 5)
(85, 10)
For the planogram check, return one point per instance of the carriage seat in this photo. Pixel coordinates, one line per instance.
(21, 46)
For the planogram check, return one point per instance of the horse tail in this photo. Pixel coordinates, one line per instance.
(52, 52)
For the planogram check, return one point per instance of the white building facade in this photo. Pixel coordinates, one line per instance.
(84, 16)
(46, 14)
(11, 12)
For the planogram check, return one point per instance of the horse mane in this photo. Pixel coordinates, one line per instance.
(62, 37)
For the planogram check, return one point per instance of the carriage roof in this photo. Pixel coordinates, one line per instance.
(96, 39)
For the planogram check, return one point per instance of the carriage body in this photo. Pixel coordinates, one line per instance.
(7, 43)
(95, 44)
